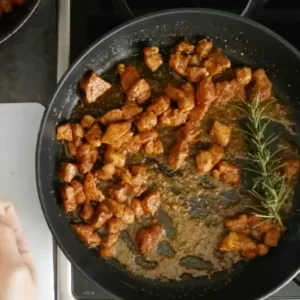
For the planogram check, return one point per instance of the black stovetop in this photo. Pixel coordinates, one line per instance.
(91, 19)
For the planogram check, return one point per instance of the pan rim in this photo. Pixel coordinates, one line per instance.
(83, 55)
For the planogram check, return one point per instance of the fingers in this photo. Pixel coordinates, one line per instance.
(7, 211)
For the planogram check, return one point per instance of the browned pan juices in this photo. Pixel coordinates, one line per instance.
(197, 205)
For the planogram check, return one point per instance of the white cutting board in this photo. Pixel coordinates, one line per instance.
(19, 126)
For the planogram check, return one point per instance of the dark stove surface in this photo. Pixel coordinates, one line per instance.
(91, 19)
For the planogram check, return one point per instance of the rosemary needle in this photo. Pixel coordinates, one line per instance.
(268, 186)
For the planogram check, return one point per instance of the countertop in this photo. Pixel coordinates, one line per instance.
(28, 58)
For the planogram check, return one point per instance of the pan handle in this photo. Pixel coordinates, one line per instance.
(123, 9)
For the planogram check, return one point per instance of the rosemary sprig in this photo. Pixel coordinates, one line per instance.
(268, 183)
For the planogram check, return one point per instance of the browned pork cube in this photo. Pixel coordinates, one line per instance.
(220, 133)
(196, 74)
(110, 239)
(128, 76)
(115, 157)
(94, 87)
(124, 139)
(235, 241)
(154, 147)
(87, 212)
(64, 132)
(67, 171)
(78, 133)
(101, 216)
(86, 156)
(151, 202)
(148, 237)
(94, 135)
(78, 189)
(120, 192)
(159, 105)
(229, 90)
(179, 63)
(216, 63)
(115, 225)
(272, 237)
(206, 160)
(116, 207)
(112, 116)
(227, 172)
(115, 131)
(91, 191)
(185, 47)
(87, 121)
(68, 198)
(139, 92)
(262, 249)
(147, 121)
(178, 153)
(131, 110)
(106, 173)
(128, 216)
(204, 48)
(205, 96)
(173, 117)
(152, 58)
(194, 60)
(87, 235)
(137, 208)
(107, 252)
(238, 224)
(243, 75)
(262, 87)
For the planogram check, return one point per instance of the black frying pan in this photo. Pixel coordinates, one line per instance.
(11, 22)
(245, 42)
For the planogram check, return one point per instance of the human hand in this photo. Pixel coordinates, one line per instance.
(17, 272)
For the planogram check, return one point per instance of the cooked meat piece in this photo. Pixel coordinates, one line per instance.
(120, 192)
(147, 136)
(229, 90)
(115, 131)
(152, 58)
(86, 156)
(87, 212)
(189, 101)
(139, 92)
(243, 75)
(216, 63)
(77, 132)
(154, 147)
(262, 249)
(127, 137)
(91, 191)
(68, 198)
(6, 6)
(194, 60)
(185, 47)
(107, 252)
(179, 63)
(138, 190)
(206, 160)
(116, 207)
(128, 216)
(106, 173)
(205, 95)
(147, 121)
(204, 48)
(262, 87)
(115, 225)
(115, 157)
(220, 133)
(67, 171)
(189, 132)
(72, 148)
(173, 117)
(259, 224)
(272, 237)
(94, 135)
(101, 216)
(86, 234)
(78, 189)
(112, 116)
(135, 177)
(131, 110)
(175, 93)
(235, 241)
(151, 203)
(94, 87)
(137, 208)
(178, 153)
(148, 237)
(249, 253)
(238, 224)
(128, 76)
(110, 239)
(195, 74)
(132, 146)
(87, 121)
(227, 172)
(290, 169)
(64, 132)
(159, 105)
